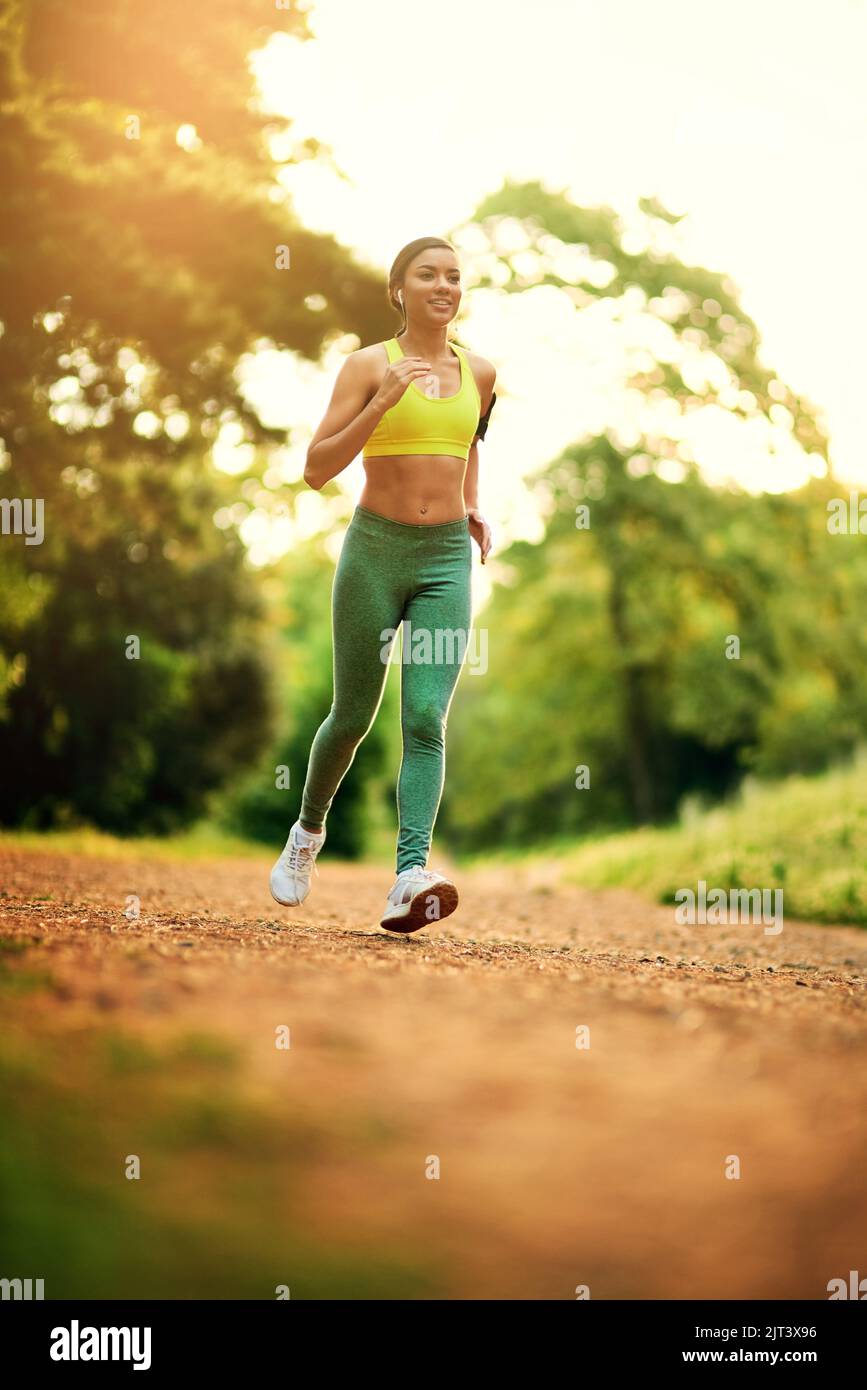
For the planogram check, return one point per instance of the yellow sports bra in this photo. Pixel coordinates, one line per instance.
(421, 424)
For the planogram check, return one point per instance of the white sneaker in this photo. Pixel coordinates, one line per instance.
(419, 896)
(290, 876)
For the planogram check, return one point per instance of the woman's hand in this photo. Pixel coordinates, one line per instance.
(480, 531)
(398, 376)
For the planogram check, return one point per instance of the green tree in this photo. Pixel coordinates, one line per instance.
(609, 640)
(136, 267)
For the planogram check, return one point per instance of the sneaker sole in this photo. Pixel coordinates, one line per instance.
(296, 902)
(417, 916)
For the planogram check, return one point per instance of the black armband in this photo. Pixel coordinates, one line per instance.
(482, 427)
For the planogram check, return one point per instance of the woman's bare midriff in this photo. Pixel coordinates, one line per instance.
(421, 489)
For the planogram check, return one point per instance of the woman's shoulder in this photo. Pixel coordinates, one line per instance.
(484, 371)
(479, 364)
(374, 356)
(366, 363)
(371, 352)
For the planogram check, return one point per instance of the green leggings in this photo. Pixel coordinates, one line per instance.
(391, 573)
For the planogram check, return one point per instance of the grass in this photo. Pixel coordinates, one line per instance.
(806, 835)
(203, 841)
(217, 1207)
(18, 981)
(218, 1210)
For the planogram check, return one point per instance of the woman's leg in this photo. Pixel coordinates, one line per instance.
(367, 599)
(440, 617)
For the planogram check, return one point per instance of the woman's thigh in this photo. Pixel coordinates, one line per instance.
(367, 601)
(439, 614)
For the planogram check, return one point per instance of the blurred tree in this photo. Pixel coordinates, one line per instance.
(608, 648)
(608, 640)
(140, 255)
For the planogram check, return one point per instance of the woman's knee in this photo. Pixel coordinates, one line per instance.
(349, 725)
(424, 722)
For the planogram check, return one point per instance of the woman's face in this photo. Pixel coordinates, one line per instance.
(432, 286)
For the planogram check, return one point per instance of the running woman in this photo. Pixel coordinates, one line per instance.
(416, 406)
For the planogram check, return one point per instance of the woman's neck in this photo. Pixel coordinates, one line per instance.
(431, 345)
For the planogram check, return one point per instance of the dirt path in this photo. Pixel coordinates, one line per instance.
(559, 1166)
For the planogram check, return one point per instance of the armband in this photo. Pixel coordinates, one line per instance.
(482, 427)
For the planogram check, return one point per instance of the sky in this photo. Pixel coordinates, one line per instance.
(748, 116)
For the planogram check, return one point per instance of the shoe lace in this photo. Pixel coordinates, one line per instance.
(301, 856)
(432, 874)
(399, 891)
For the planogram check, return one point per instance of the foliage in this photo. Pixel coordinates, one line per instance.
(665, 634)
(133, 274)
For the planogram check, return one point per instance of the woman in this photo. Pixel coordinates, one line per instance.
(415, 406)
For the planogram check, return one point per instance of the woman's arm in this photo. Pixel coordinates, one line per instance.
(471, 478)
(479, 528)
(488, 374)
(346, 425)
